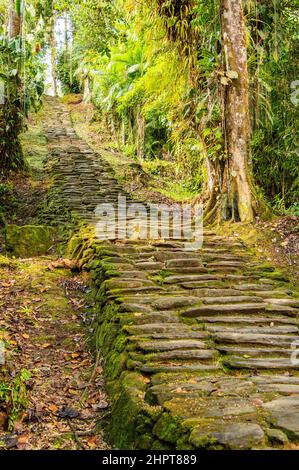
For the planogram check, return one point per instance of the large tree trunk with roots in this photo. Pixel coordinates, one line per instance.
(233, 180)
(11, 121)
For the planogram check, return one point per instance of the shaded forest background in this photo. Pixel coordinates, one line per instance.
(155, 73)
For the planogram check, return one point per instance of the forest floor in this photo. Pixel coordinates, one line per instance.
(56, 397)
(51, 387)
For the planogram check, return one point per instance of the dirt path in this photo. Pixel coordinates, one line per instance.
(42, 314)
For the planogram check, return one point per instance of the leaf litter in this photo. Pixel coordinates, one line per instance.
(60, 402)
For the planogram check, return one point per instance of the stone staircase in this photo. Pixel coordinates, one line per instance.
(197, 344)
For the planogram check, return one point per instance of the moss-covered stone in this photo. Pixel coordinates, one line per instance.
(29, 240)
(132, 418)
(168, 428)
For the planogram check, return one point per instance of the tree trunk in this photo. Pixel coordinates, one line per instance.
(11, 112)
(237, 177)
(140, 135)
(14, 26)
(53, 57)
(86, 89)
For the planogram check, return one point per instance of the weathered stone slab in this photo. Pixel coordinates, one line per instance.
(190, 354)
(276, 379)
(191, 278)
(233, 436)
(162, 393)
(262, 339)
(215, 292)
(154, 317)
(169, 303)
(157, 368)
(248, 320)
(132, 274)
(184, 263)
(227, 263)
(202, 284)
(227, 308)
(254, 351)
(127, 283)
(289, 302)
(149, 266)
(227, 407)
(230, 299)
(131, 307)
(198, 270)
(156, 328)
(173, 335)
(281, 309)
(252, 287)
(269, 363)
(276, 330)
(284, 389)
(284, 414)
(170, 345)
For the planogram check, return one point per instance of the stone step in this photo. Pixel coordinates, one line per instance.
(153, 317)
(283, 389)
(153, 346)
(234, 436)
(119, 293)
(283, 310)
(284, 302)
(276, 379)
(121, 283)
(184, 263)
(202, 285)
(249, 320)
(254, 351)
(180, 354)
(152, 266)
(157, 368)
(255, 339)
(172, 335)
(259, 363)
(233, 264)
(156, 328)
(189, 271)
(268, 294)
(227, 308)
(260, 329)
(230, 299)
(215, 292)
(173, 302)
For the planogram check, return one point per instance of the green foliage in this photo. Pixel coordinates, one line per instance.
(18, 396)
(22, 79)
(273, 28)
(66, 67)
(14, 396)
(156, 70)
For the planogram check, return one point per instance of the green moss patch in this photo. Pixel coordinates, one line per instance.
(29, 240)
